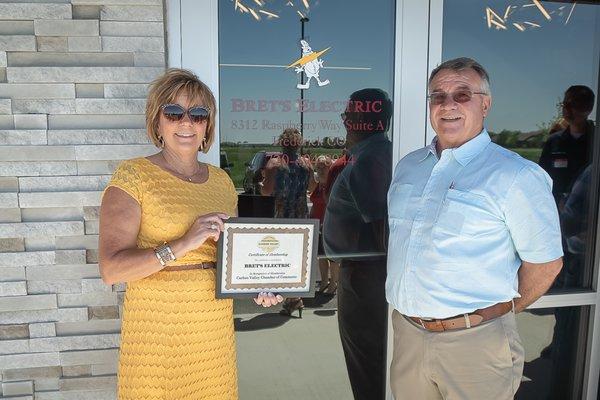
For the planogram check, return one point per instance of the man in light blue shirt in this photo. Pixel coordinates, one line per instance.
(474, 238)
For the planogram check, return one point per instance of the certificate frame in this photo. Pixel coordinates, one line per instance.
(226, 287)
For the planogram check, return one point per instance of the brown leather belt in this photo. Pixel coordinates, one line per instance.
(464, 321)
(207, 265)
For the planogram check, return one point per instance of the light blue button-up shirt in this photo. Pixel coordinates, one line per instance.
(460, 226)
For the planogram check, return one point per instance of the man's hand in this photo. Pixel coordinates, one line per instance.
(535, 280)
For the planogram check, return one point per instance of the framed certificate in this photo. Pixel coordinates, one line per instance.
(267, 255)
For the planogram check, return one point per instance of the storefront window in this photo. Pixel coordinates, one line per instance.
(259, 97)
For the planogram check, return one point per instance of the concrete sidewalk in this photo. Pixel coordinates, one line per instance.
(290, 358)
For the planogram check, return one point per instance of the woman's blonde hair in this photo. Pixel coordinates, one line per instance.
(164, 90)
(323, 163)
(290, 139)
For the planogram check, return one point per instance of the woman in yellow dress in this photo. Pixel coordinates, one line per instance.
(160, 219)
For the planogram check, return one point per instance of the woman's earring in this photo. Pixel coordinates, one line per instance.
(202, 145)
(161, 141)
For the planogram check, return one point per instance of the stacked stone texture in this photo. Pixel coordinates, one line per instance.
(73, 83)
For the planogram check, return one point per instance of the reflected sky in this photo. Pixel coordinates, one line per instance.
(529, 70)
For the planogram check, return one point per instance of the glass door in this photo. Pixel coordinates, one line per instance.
(543, 61)
(306, 130)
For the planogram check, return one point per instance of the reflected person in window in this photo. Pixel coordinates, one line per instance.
(286, 178)
(565, 156)
(354, 233)
(317, 188)
(160, 219)
(474, 239)
(567, 152)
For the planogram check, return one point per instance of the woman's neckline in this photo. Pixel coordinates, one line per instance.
(178, 178)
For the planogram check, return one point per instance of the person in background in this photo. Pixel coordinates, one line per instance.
(567, 152)
(160, 219)
(574, 197)
(334, 171)
(286, 178)
(328, 284)
(355, 233)
(565, 155)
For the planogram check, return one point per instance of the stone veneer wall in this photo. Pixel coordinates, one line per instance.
(73, 82)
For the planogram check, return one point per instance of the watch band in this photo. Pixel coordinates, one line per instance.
(164, 254)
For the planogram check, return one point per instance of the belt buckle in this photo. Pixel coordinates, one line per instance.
(426, 320)
(467, 318)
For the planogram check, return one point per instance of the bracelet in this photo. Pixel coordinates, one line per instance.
(164, 254)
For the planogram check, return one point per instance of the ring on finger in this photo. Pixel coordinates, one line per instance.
(213, 226)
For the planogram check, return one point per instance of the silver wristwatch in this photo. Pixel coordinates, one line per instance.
(164, 254)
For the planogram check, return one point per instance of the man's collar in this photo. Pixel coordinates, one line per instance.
(468, 151)
(430, 150)
(465, 153)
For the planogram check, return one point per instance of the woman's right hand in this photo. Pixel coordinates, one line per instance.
(208, 226)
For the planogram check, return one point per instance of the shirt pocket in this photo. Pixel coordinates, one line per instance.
(465, 214)
(399, 196)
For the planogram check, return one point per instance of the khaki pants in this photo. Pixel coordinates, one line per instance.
(480, 363)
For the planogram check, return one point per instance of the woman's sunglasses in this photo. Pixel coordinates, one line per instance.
(174, 112)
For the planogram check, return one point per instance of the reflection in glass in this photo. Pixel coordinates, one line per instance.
(354, 227)
(544, 101)
(320, 189)
(290, 77)
(286, 177)
(554, 340)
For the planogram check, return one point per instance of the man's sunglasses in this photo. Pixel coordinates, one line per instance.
(174, 112)
(459, 96)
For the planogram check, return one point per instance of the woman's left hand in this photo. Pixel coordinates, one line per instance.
(268, 299)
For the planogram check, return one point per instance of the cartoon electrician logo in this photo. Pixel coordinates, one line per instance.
(310, 64)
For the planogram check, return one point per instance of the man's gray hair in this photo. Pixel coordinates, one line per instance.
(460, 64)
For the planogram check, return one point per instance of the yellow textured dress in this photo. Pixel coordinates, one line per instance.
(177, 340)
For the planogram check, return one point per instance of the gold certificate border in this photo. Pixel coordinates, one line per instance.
(305, 257)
